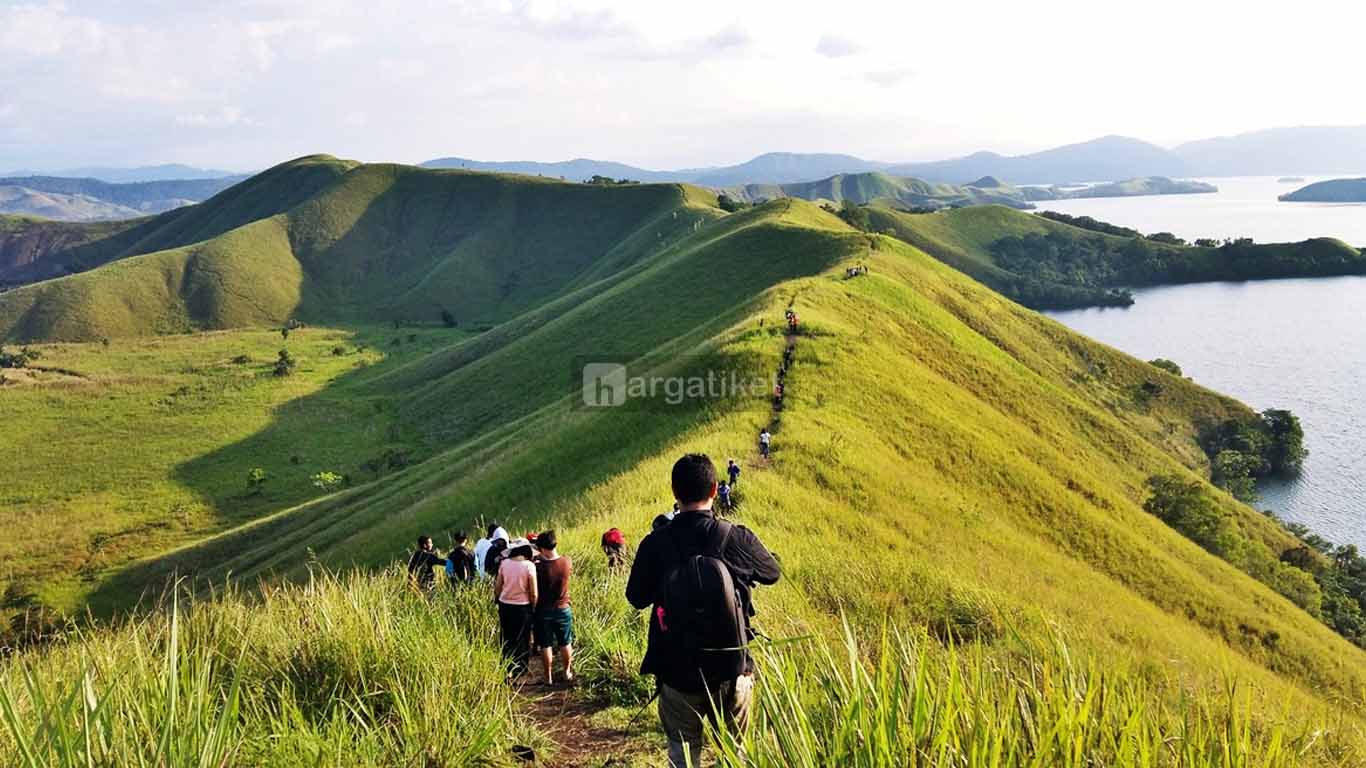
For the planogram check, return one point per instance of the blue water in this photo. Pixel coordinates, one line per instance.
(1296, 344)
(1243, 207)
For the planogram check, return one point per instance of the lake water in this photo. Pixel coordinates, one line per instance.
(1296, 344)
(1243, 207)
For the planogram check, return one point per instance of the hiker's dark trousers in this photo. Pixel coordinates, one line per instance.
(516, 623)
(683, 714)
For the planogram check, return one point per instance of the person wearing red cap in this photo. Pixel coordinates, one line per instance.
(614, 546)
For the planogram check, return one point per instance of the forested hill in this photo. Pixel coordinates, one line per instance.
(1055, 261)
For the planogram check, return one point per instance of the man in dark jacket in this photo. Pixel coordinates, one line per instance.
(686, 693)
(421, 563)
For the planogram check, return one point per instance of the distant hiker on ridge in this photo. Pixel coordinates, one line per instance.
(733, 472)
(699, 565)
(422, 562)
(764, 439)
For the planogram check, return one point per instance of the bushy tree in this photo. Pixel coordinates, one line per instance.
(1166, 365)
(1185, 506)
(1286, 451)
(730, 204)
(1232, 471)
(256, 478)
(327, 481)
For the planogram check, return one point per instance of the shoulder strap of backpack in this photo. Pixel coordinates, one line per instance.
(720, 537)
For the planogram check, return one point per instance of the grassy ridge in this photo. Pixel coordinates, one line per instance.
(266, 194)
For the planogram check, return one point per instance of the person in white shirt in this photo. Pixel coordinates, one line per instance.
(764, 439)
(481, 547)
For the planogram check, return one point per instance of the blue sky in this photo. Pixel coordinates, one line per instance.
(242, 85)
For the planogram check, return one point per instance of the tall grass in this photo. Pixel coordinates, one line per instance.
(362, 671)
(356, 671)
(921, 704)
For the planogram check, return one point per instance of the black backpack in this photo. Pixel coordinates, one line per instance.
(700, 615)
(497, 550)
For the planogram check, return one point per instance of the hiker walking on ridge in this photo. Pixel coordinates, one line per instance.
(460, 562)
(554, 620)
(733, 472)
(422, 562)
(696, 575)
(764, 439)
(515, 590)
(723, 499)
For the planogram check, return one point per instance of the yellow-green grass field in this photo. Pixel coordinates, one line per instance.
(114, 452)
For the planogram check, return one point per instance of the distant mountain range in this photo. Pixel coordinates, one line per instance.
(1302, 150)
(67, 199)
(165, 172)
(88, 194)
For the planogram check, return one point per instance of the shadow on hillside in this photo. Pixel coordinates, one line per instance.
(520, 473)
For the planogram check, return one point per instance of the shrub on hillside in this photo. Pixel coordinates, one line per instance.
(284, 364)
(256, 479)
(1166, 365)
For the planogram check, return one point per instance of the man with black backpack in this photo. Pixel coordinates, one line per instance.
(696, 574)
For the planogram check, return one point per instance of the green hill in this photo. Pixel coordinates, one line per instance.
(320, 240)
(1044, 263)
(266, 194)
(1144, 185)
(882, 189)
(948, 465)
(1332, 191)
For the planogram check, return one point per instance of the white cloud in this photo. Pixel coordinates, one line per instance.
(657, 84)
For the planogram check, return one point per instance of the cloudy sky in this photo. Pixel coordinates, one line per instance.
(246, 83)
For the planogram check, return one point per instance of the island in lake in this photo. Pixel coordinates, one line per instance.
(1146, 185)
(1290, 180)
(1332, 191)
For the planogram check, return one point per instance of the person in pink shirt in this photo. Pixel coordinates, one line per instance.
(514, 587)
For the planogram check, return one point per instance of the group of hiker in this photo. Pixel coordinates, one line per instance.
(694, 571)
(530, 587)
(861, 269)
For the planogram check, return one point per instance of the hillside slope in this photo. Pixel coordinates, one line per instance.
(266, 194)
(944, 460)
(322, 240)
(997, 458)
